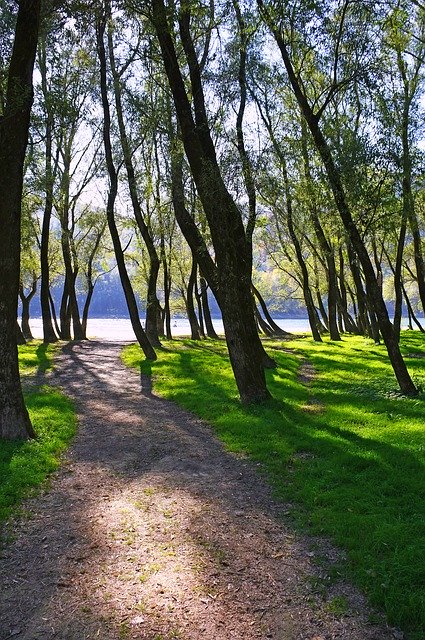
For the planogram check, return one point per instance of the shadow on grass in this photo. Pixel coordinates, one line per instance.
(351, 474)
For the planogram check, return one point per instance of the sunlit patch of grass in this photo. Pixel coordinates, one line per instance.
(24, 465)
(35, 357)
(354, 471)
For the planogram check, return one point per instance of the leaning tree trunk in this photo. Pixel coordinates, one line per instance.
(20, 338)
(65, 313)
(14, 125)
(211, 332)
(141, 336)
(49, 334)
(198, 299)
(152, 306)
(324, 244)
(335, 181)
(362, 314)
(25, 302)
(167, 291)
(308, 298)
(412, 315)
(232, 249)
(190, 307)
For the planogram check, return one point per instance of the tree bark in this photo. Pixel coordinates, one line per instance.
(190, 308)
(112, 194)
(25, 302)
(20, 338)
(49, 334)
(211, 332)
(14, 125)
(152, 305)
(232, 249)
(324, 244)
(374, 292)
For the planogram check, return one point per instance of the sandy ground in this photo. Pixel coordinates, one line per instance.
(151, 530)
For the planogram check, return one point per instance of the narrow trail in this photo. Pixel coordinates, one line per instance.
(150, 530)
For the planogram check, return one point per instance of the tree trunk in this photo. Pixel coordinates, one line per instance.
(362, 315)
(211, 332)
(324, 244)
(20, 338)
(87, 302)
(167, 290)
(113, 190)
(275, 329)
(349, 323)
(232, 249)
(25, 302)
(14, 125)
(308, 298)
(193, 320)
(412, 315)
(152, 306)
(64, 312)
(374, 292)
(49, 334)
(198, 299)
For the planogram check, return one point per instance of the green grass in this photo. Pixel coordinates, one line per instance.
(24, 465)
(353, 468)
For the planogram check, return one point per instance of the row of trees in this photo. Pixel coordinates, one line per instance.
(284, 135)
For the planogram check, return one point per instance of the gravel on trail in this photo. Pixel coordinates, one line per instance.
(151, 530)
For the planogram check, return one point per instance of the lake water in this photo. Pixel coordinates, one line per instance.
(120, 328)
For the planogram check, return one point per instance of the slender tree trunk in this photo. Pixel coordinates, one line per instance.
(407, 192)
(73, 312)
(349, 323)
(308, 298)
(89, 278)
(49, 334)
(412, 315)
(87, 302)
(232, 250)
(152, 306)
(193, 320)
(14, 125)
(167, 290)
(64, 312)
(211, 332)
(25, 302)
(198, 299)
(262, 324)
(362, 315)
(113, 190)
(374, 292)
(20, 338)
(275, 329)
(320, 304)
(324, 244)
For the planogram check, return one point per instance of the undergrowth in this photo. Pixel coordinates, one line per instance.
(346, 449)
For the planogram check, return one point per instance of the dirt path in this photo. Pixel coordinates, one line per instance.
(151, 530)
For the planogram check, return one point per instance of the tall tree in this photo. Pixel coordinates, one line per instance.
(231, 245)
(140, 334)
(312, 114)
(14, 126)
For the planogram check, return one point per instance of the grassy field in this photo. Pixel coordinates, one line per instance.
(344, 448)
(24, 466)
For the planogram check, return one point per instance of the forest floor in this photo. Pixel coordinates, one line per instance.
(151, 530)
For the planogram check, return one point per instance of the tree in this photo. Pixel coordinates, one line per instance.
(14, 126)
(312, 114)
(141, 336)
(231, 244)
